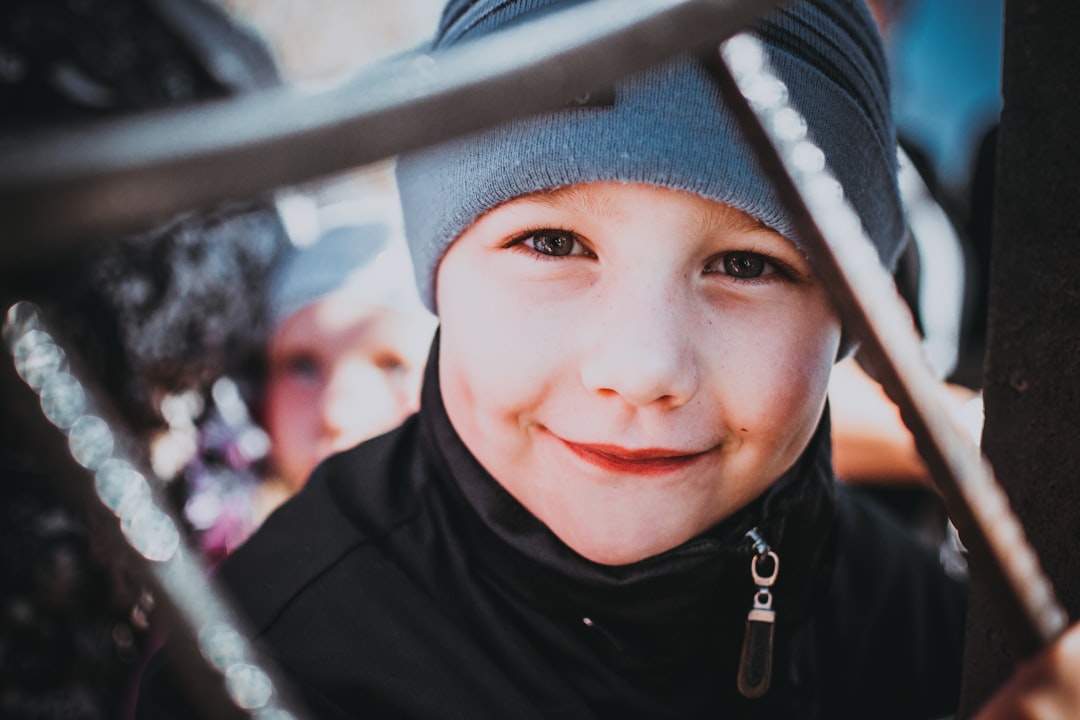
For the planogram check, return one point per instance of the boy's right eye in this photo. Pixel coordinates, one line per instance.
(553, 243)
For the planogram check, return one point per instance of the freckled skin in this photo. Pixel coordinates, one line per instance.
(340, 373)
(636, 391)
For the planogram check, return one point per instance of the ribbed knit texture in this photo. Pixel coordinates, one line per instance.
(668, 127)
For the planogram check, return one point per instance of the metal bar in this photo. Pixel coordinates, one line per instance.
(870, 307)
(58, 189)
(98, 466)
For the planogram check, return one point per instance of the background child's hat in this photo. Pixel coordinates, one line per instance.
(366, 260)
(668, 126)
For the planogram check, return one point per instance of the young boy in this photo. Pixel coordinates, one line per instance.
(616, 500)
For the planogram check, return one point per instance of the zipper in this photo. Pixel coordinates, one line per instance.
(755, 661)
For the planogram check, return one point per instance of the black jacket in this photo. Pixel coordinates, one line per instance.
(404, 582)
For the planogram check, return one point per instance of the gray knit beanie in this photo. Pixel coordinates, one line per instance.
(367, 260)
(668, 126)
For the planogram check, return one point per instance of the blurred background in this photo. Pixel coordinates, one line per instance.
(325, 41)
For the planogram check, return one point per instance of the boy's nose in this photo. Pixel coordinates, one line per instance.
(640, 351)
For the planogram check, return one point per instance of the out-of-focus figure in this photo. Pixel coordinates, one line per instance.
(340, 361)
(347, 348)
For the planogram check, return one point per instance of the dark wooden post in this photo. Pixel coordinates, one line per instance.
(1032, 382)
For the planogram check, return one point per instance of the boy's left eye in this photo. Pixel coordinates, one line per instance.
(742, 265)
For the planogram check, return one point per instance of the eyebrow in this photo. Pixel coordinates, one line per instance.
(575, 198)
(731, 220)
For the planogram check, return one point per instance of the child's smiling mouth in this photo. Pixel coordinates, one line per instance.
(637, 461)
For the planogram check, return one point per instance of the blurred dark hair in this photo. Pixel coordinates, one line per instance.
(171, 309)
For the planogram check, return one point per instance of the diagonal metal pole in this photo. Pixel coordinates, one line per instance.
(60, 188)
(96, 463)
(871, 308)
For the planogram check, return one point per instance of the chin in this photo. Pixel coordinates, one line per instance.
(620, 555)
(617, 546)
(615, 556)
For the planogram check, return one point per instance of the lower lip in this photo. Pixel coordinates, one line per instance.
(636, 466)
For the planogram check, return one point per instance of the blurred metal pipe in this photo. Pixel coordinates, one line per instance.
(61, 188)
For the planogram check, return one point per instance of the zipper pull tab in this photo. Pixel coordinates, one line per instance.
(755, 663)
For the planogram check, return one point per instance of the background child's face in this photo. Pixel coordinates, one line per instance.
(632, 363)
(340, 373)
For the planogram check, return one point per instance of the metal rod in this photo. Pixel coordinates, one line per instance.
(870, 307)
(58, 189)
(95, 462)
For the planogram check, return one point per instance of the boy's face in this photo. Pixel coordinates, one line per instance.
(632, 363)
(339, 373)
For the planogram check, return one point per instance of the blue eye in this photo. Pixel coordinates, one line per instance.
(304, 367)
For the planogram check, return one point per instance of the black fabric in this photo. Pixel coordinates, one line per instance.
(404, 582)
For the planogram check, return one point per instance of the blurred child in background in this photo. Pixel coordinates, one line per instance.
(347, 348)
(345, 342)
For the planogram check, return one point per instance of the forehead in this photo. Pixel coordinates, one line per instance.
(339, 317)
(606, 200)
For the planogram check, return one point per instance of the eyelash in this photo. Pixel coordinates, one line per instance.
(780, 269)
(518, 243)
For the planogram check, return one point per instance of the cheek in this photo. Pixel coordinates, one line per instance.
(289, 450)
(372, 403)
(499, 352)
(777, 379)
(289, 415)
(483, 377)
